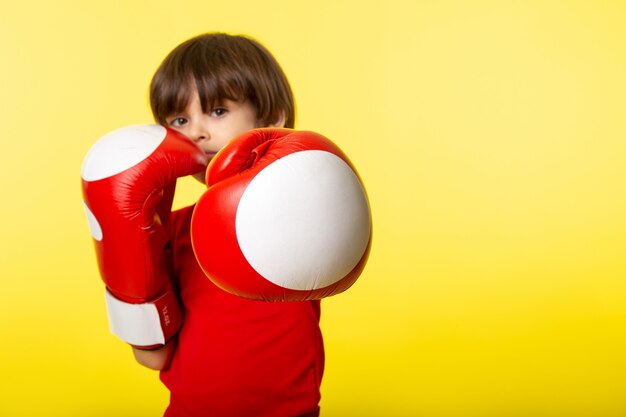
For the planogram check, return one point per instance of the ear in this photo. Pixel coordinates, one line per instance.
(280, 121)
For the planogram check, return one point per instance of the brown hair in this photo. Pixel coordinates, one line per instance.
(222, 66)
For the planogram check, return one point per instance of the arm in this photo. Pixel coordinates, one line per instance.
(156, 359)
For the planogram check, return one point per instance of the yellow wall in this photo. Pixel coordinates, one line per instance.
(491, 137)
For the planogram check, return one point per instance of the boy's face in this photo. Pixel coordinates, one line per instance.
(212, 131)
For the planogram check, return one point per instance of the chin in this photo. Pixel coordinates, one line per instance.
(200, 176)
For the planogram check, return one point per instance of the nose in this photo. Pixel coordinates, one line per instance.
(200, 132)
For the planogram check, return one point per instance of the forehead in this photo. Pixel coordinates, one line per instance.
(194, 105)
(212, 90)
(210, 84)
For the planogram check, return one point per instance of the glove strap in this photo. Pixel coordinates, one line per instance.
(146, 326)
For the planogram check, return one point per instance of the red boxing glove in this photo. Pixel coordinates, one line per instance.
(128, 180)
(285, 218)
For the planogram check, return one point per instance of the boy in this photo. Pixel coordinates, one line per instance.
(231, 356)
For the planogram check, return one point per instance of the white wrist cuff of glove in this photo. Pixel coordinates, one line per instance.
(140, 325)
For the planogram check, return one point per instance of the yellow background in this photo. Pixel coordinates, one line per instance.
(491, 138)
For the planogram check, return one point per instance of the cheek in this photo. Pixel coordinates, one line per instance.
(185, 131)
(239, 129)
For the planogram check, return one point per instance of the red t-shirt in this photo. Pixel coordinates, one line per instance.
(238, 357)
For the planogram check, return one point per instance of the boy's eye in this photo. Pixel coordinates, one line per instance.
(178, 121)
(218, 111)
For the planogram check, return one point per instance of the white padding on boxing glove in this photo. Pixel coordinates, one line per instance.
(136, 324)
(120, 150)
(94, 225)
(321, 228)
